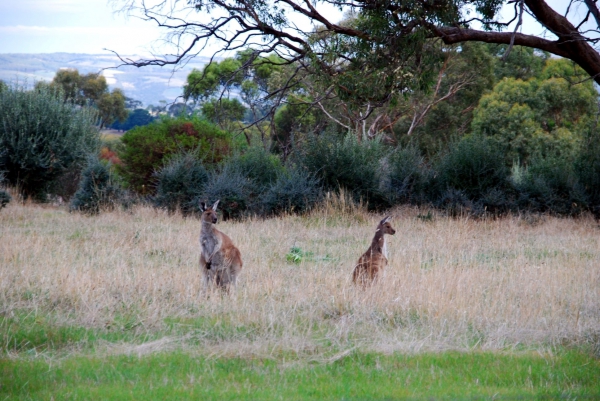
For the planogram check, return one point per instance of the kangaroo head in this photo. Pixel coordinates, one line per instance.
(209, 214)
(385, 226)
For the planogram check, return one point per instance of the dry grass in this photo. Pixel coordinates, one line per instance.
(450, 284)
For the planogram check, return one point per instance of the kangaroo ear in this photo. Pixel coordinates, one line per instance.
(202, 206)
(385, 219)
(214, 207)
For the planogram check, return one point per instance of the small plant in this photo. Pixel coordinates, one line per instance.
(97, 188)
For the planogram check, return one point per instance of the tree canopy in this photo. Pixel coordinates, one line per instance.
(388, 34)
(90, 89)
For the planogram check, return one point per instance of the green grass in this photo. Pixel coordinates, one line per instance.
(45, 360)
(357, 376)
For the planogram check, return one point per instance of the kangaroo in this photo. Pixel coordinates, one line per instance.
(220, 260)
(372, 262)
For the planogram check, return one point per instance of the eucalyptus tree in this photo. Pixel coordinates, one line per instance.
(385, 39)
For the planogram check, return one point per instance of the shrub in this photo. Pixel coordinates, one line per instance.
(474, 166)
(97, 188)
(258, 165)
(5, 197)
(42, 137)
(179, 184)
(147, 148)
(551, 185)
(587, 169)
(294, 190)
(408, 175)
(231, 187)
(346, 163)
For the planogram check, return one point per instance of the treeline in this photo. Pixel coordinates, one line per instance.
(480, 132)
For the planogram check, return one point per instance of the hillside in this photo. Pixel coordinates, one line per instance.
(149, 84)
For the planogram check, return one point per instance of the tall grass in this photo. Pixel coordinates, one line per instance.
(451, 284)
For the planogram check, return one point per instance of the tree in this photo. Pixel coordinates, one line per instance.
(385, 31)
(90, 89)
(543, 116)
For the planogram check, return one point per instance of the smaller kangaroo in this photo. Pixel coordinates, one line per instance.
(372, 262)
(220, 260)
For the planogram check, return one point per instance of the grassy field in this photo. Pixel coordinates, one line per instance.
(112, 305)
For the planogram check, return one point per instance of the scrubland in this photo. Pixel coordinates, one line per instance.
(514, 283)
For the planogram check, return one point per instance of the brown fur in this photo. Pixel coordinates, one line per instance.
(220, 260)
(373, 261)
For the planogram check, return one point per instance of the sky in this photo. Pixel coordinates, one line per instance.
(93, 27)
(72, 26)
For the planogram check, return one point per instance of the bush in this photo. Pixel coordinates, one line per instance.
(97, 188)
(407, 178)
(231, 187)
(475, 167)
(294, 190)
(179, 184)
(587, 169)
(347, 163)
(551, 185)
(42, 137)
(5, 198)
(258, 165)
(147, 148)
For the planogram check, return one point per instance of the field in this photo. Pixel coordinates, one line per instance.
(489, 308)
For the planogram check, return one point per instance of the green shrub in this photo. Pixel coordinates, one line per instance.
(232, 188)
(408, 176)
(475, 166)
(294, 190)
(42, 137)
(587, 168)
(5, 197)
(347, 163)
(97, 188)
(147, 148)
(179, 184)
(551, 185)
(258, 165)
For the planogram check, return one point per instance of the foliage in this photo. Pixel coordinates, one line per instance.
(146, 148)
(471, 170)
(258, 165)
(587, 168)
(346, 163)
(541, 117)
(219, 111)
(135, 118)
(42, 137)
(97, 188)
(294, 191)
(232, 188)
(90, 89)
(5, 197)
(180, 183)
(408, 176)
(550, 185)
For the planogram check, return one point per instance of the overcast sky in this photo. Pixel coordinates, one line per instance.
(91, 26)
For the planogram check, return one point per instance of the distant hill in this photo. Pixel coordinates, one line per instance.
(148, 84)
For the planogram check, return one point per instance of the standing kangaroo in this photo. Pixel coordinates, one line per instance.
(372, 262)
(220, 260)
